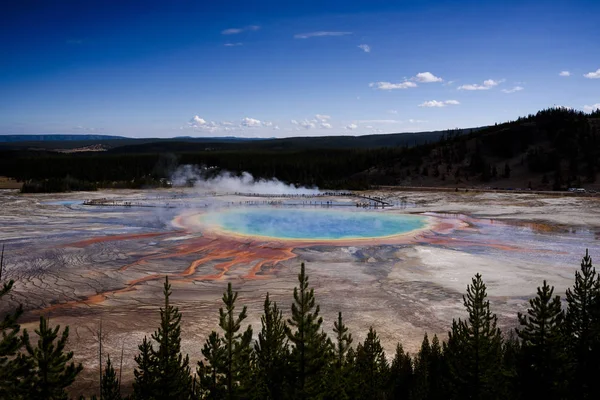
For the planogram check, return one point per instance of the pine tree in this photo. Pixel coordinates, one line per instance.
(337, 372)
(51, 373)
(311, 348)
(436, 370)
(144, 373)
(236, 367)
(371, 367)
(401, 374)
(511, 350)
(473, 350)
(209, 371)
(343, 341)
(110, 384)
(421, 371)
(12, 365)
(582, 325)
(351, 375)
(170, 370)
(542, 366)
(271, 350)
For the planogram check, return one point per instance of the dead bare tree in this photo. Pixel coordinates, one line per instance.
(1, 262)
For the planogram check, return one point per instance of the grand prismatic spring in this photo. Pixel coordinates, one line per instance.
(402, 268)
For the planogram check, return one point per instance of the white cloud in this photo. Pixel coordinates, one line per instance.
(305, 123)
(233, 44)
(392, 86)
(250, 122)
(515, 89)
(322, 118)
(268, 124)
(564, 73)
(593, 75)
(320, 34)
(435, 103)
(365, 47)
(196, 121)
(591, 108)
(232, 31)
(393, 111)
(235, 31)
(379, 121)
(351, 127)
(487, 84)
(325, 125)
(427, 77)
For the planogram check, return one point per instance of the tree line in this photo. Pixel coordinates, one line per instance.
(561, 144)
(554, 353)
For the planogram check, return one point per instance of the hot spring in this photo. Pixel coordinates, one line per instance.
(298, 224)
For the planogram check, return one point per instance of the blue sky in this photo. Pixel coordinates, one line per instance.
(285, 68)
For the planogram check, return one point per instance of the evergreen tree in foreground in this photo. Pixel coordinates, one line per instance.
(209, 370)
(51, 373)
(511, 351)
(338, 373)
(12, 364)
(583, 328)
(236, 366)
(144, 376)
(271, 351)
(343, 341)
(371, 367)
(542, 366)
(401, 375)
(170, 369)
(110, 384)
(311, 349)
(473, 350)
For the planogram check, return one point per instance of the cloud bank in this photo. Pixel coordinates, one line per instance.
(427, 77)
(392, 86)
(435, 103)
(320, 34)
(593, 75)
(235, 31)
(487, 84)
(513, 90)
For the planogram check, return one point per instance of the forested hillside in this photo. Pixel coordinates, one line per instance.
(553, 149)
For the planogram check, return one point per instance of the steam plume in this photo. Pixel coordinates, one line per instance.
(227, 182)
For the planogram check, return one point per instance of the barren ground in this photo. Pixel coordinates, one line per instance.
(82, 264)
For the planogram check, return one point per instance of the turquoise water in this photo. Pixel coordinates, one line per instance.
(62, 202)
(313, 224)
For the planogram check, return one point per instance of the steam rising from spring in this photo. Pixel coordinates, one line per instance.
(227, 182)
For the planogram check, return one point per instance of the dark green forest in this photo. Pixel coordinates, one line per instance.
(554, 149)
(552, 354)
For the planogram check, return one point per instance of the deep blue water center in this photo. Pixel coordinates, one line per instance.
(313, 224)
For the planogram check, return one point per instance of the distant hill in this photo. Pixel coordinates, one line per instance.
(553, 149)
(57, 137)
(184, 144)
(120, 144)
